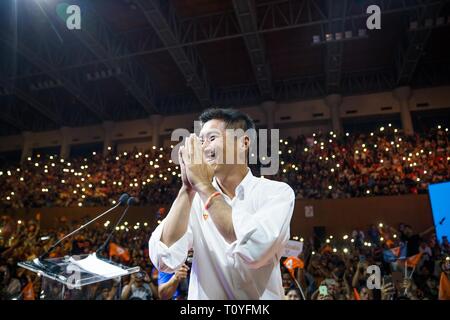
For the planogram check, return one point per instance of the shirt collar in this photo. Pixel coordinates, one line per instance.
(246, 183)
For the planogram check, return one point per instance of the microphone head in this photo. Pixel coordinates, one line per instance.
(132, 201)
(124, 198)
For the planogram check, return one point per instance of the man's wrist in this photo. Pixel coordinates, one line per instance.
(205, 190)
(189, 191)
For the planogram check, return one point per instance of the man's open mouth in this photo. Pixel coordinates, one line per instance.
(210, 156)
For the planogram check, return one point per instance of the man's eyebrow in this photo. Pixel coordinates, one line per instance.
(208, 133)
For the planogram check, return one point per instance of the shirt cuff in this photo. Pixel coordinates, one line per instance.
(167, 259)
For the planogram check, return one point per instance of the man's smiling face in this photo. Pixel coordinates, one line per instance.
(212, 137)
(216, 140)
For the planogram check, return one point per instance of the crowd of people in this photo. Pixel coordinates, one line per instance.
(319, 166)
(377, 163)
(333, 268)
(47, 181)
(323, 165)
(339, 269)
(25, 240)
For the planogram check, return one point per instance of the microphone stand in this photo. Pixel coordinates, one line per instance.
(55, 268)
(103, 246)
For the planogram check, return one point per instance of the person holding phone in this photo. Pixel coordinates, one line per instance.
(169, 283)
(387, 288)
(139, 288)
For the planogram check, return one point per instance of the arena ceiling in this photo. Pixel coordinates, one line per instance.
(135, 58)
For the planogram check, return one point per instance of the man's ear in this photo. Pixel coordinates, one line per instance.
(243, 145)
(246, 142)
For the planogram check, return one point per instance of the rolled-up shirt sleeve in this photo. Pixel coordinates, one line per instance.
(261, 236)
(169, 259)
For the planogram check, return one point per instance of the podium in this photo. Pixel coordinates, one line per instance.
(75, 272)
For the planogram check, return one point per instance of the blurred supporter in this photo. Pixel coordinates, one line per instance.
(139, 288)
(293, 294)
(170, 285)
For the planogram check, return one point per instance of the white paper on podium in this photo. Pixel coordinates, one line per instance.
(94, 265)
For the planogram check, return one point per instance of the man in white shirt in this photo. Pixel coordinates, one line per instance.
(239, 238)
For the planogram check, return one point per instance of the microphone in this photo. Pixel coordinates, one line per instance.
(130, 202)
(122, 200)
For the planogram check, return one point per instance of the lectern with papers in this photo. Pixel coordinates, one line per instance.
(75, 272)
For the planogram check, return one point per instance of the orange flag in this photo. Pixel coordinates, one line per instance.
(292, 263)
(444, 287)
(28, 292)
(389, 243)
(326, 249)
(413, 260)
(356, 294)
(116, 250)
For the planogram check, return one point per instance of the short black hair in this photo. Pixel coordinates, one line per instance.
(233, 118)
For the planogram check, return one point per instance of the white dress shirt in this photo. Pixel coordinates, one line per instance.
(248, 268)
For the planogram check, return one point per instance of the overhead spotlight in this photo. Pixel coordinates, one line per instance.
(316, 39)
(328, 37)
(338, 35)
(348, 34)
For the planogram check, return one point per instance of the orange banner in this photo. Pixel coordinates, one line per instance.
(413, 260)
(28, 292)
(292, 263)
(116, 250)
(444, 287)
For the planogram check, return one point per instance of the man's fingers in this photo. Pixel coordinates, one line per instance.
(184, 154)
(193, 151)
(197, 149)
(184, 267)
(180, 155)
(182, 272)
(187, 150)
